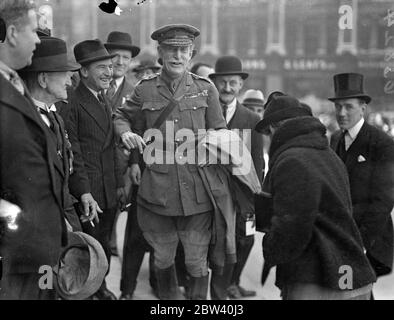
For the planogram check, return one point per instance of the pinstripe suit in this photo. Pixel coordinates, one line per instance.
(96, 169)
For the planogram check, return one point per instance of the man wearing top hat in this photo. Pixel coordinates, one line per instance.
(47, 79)
(89, 125)
(228, 79)
(27, 165)
(173, 204)
(368, 154)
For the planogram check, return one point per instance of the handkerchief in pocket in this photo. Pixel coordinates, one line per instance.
(361, 158)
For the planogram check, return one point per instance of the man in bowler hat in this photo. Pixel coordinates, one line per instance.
(89, 124)
(229, 79)
(173, 204)
(47, 79)
(368, 154)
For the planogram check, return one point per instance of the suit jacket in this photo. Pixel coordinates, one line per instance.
(245, 119)
(118, 99)
(370, 165)
(90, 129)
(29, 177)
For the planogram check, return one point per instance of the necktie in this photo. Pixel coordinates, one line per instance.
(225, 108)
(341, 148)
(55, 129)
(112, 89)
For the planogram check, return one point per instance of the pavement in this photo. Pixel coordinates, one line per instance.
(250, 279)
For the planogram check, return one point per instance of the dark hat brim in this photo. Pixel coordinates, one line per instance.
(133, 49)
(365, 97)
(95, 59)
(281, 115)
(70, 66)
(243, 75)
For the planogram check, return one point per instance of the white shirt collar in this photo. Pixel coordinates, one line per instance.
(44, 106)
(231, 110)
(353, 132)
(119, 82)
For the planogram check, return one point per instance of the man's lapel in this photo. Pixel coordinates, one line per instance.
(236, 117)
(93, 107)
(358, 147)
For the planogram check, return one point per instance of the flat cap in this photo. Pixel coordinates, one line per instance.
(177, 35)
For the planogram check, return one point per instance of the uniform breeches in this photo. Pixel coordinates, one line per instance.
(163, 233)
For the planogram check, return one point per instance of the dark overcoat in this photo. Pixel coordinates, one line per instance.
(370, 165)
(311, 234)
(30, 176)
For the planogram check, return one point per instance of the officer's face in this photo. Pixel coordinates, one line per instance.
(228, 87)
(175, 59)
(121, 62)
(349, 112)
(24, 41)
(98, 74)
(57, 83)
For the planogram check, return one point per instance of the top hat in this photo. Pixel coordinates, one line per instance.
(281, 108)
(177, 35)
(81, 268)
(121, 40)
(228, 65)
(253, 98)
(51, 56)
(89, 51)
(349, 85)
(145, 65)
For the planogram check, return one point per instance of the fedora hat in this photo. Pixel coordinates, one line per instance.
(81, 268)
(281, 108)
(228, 65)
(51, 56)
(121, 40)
(349, 85)
(89, 51)
(253, 98)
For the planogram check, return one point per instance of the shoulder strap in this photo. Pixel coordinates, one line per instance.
(166, 112)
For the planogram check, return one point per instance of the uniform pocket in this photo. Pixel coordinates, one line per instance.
(152, 110)
(196, 109)
(154, 184)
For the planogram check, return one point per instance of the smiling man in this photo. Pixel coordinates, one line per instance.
(368, 154)
(173, 204)
(89, 124)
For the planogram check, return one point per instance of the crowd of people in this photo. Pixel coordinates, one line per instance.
(79, 143)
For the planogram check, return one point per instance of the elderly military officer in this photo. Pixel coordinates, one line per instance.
(173, 205)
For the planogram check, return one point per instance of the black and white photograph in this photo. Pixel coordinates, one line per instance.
(196, 150)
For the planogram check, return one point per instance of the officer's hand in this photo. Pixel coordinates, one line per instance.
(135, 174)
(90, 208)
(132, 141)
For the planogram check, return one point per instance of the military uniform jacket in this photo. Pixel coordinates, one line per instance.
(172, 189)
(370, 165)
(29, 177)
(90, 129)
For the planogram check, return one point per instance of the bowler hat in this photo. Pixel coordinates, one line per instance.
(89, 51)
(51, 56)
(281, 108)
(176, 35)
(228, 65)
(145, 65)
(253, 98)
(349, 85)
(121, 40)
(81, 268)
